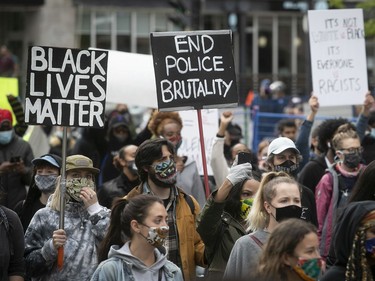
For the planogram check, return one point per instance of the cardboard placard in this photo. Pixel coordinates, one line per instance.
(66, 87)
(338, 56)
(190, 145)
(194, 70)
(8, 86)
(131, 79)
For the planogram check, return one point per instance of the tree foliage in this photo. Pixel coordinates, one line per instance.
(368, 7)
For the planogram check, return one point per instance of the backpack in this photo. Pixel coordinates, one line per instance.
(339, 187)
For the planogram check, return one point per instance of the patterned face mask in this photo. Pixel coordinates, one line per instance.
(46, 183)
(245, 207)
(74, 186)
(156, 235)
(288, 167)
(166, 171)
(309, 268)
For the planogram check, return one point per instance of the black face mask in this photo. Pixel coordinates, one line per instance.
(352, 160)
(132, 168)
(288, 167)
(288, 212)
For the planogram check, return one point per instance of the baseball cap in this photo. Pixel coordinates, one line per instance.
(280, 144)
(117, 121)
(6, 119)
(51, 159)
(80, 162)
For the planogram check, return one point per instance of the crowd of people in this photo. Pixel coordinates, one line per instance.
(127, 204)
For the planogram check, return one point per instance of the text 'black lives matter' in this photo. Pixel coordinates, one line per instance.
(66, 87)
(194, 69)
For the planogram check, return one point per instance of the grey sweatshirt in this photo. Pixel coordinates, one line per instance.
(122, 265)
(243, 259)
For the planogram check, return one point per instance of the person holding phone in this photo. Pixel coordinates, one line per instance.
(219, 164)
(222, 220)
(15, 158)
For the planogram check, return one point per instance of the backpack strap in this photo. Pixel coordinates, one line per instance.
(256, 240)
(5, 221)
(190, 202)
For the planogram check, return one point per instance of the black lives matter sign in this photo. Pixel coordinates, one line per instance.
(194, 70)
(66, 87)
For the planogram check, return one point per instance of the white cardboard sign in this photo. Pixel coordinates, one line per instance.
(338, 56)
(131, 79)
(190, 134)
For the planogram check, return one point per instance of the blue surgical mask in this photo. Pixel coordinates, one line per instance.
(372, 133)
(6, 137)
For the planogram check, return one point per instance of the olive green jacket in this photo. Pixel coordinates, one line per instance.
(219, 231)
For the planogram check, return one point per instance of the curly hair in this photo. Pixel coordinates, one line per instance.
(326, 131)
(160, 119)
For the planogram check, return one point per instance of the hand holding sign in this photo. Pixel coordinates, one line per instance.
(338, 56)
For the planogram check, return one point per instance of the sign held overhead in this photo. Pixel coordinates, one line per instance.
(66, 87)
(194, 70)
(338, 56)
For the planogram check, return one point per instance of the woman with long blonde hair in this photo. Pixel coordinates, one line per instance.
(278, 198)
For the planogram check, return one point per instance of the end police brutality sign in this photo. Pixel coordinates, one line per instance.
(66, 87)
(194, 69)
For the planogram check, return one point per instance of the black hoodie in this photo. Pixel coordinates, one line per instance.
(343, 236)
(312, 172)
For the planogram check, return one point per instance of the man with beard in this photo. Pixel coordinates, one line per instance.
(126, 181)
(283, 156)
(157, 171)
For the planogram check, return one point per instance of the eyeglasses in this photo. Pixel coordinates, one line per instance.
(352, 150)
